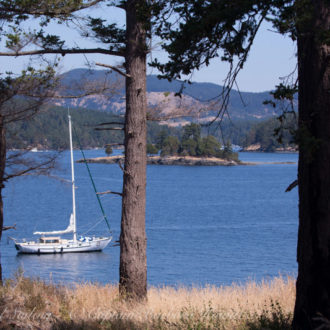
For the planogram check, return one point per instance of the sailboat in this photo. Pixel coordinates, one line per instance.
(56, 244)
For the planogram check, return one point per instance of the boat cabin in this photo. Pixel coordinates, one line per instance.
(50, 240)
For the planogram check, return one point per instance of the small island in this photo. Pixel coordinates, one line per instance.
(190, 149)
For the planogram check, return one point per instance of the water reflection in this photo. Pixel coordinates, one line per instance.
(67, 266)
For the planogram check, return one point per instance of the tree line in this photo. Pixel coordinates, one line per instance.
(47, 129)
(43, 131)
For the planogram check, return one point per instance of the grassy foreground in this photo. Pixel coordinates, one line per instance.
(33, 304)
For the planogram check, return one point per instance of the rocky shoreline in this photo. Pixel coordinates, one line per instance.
(168, 160)
(180, 160)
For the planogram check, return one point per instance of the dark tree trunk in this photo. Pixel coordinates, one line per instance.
(313, 254)
(2, 172)
(133, 260)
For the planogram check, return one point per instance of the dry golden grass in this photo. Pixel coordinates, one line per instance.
(27, 303)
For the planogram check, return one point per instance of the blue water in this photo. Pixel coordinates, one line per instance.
(205, 225)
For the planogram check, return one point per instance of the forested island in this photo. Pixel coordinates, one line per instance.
(192, 144)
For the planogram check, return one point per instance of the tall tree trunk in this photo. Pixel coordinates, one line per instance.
(2, 172)
(133, 260)
(313, 253)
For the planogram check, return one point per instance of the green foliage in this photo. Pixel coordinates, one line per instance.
(13, 39)
(188, 147)
(160, 139)
(108, 150)
(151, 149)
(210, 147)
(285, 92)
(49, 41)
(228, 152)
(270, 319)
(107, 34)
(158, 133)
(192, 144)
(170, 146)
(192, 131)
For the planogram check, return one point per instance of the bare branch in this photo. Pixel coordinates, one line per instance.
(120, 164)
(79, 96)
(114, 144)
(9, 227)
(292, 185)
(110, 192)
(110, 123)
(114, 69)
(27, 166)
(109, 129)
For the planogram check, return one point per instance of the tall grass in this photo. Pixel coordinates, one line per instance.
(27, 303)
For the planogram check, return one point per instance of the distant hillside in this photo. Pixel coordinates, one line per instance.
(49, 130)
(160, 94)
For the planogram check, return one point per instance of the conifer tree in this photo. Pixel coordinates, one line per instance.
(131, 45)
(204, 30)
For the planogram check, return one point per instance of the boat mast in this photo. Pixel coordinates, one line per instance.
(73, 185)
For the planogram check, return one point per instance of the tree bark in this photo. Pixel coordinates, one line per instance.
(312, 306)
(133, 260)
(2, 173)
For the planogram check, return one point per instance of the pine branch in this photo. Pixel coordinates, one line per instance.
(50, 12)
(63, 52)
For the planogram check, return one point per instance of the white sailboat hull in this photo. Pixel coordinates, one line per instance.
(63, 246)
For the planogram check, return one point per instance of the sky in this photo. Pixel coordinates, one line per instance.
(272, 57)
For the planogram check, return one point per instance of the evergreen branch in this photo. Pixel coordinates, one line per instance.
(63, 52)
(50, 12)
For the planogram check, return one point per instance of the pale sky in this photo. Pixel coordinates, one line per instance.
(272, 56)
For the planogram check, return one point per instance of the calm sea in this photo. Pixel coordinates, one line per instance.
(205, 225)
